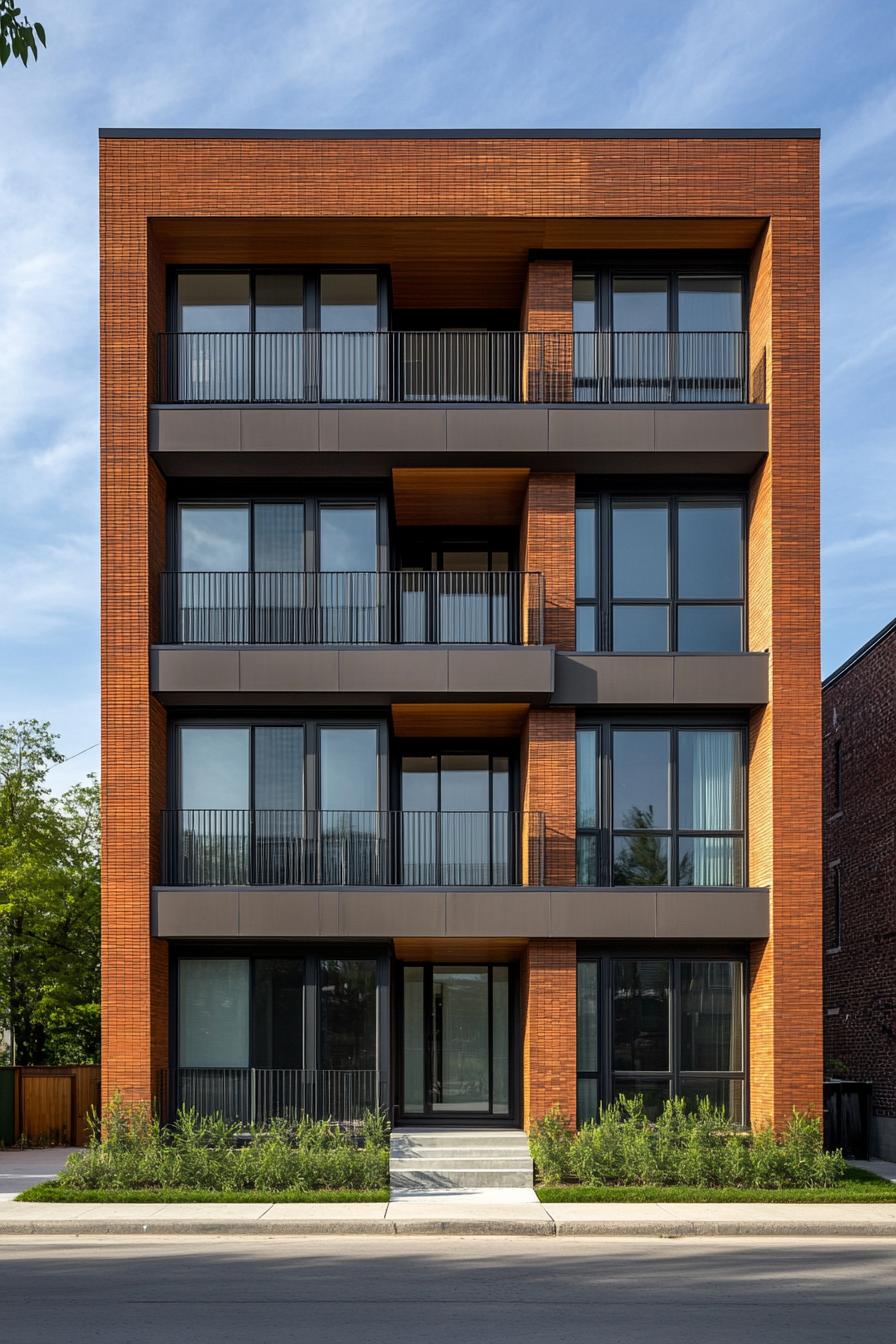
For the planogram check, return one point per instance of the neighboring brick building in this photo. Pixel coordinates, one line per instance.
(460, 620)
(859, 752)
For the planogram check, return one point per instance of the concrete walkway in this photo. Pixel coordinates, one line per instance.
(20, 1168)
(455, 1213)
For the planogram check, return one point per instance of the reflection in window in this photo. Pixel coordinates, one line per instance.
(676, 575)
(641, 1016)
(347, 1005)
(701, 843)
(213, 1012)
(676, 1030)
(348, 323)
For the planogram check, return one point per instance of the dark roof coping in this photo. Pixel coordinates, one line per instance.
(571, 133)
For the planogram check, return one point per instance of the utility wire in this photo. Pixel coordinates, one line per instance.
(73, 755)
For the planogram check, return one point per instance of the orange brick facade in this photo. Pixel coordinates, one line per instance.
(576, 193)
(549, 1020)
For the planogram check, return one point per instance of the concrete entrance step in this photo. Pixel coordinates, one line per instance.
(459, 1159)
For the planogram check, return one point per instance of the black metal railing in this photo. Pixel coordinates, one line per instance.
(270, 847)
(316, 367)
(256, 1096)
(398, 607)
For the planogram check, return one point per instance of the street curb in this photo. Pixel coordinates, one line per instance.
(436, 1227)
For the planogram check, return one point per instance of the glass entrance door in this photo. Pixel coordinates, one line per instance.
(456, 1047)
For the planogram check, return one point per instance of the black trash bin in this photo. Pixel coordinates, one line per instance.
(847, 1117)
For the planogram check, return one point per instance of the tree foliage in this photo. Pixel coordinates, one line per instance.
(18, 37)
(49, 903)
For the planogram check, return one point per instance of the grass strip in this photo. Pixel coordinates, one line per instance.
(860, 1187)
(50, 1192)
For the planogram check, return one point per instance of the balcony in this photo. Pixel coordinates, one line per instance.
(316, 368)
(364, 608)
(230, 848)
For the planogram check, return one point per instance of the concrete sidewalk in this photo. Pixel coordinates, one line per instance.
(458, 1213)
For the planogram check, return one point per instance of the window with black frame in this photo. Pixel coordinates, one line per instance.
(660, 574)
(268, 335)
(660, 805)
(657, 1027)
(658, 337)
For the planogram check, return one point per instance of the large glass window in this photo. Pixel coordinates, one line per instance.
(241, 800)
(675, 810)
(348, 323)
(641, 768)
(347, 999)
(676, 1028)
(670, 575)
(213, 1012)
(239, 574)
(244, 1045)
(348, 583)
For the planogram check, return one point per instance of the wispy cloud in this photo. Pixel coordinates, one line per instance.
(404, 63)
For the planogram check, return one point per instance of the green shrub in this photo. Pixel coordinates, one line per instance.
(130, 1150)
(550, 1142)
(700, 1148)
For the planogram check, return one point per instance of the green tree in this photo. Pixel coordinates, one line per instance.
(643, 860)
(17, 35)
(49, 904)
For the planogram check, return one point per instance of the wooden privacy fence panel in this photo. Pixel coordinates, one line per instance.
(53, 1103)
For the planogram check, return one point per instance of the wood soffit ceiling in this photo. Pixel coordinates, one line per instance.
(462, 496)
(459, 720)
(434, 263)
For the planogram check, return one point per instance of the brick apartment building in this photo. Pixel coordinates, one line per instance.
(460, 621)
(859, 742)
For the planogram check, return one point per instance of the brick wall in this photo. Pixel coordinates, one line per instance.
(549, 1027)
(784, 775)
(548, 769)
(859, 712)
(547, 312)
(548, 547)
(586, 184)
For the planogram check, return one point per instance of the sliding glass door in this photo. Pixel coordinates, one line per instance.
(456, 823)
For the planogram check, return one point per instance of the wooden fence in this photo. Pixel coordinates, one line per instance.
(50, 1105)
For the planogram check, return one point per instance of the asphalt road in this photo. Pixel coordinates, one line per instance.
(447, 1291)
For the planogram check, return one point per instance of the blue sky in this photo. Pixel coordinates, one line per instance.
(368, 63)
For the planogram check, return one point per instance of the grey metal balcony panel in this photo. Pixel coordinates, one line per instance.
(402, 912)
(370, 440)
(276, 429)
(488, 913)
(710, 429)
(685, 680)
(394, 670)
(262, 911)
(616, 429)
(384, 429)
(378, 913)
(501, 672)
(583, 912)
(501, 429)
(712, 914)
(176, 669)
(199, 429)
(374, 675)
(723, 679)
(297, 670)
(195, 912)
(614, 679)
